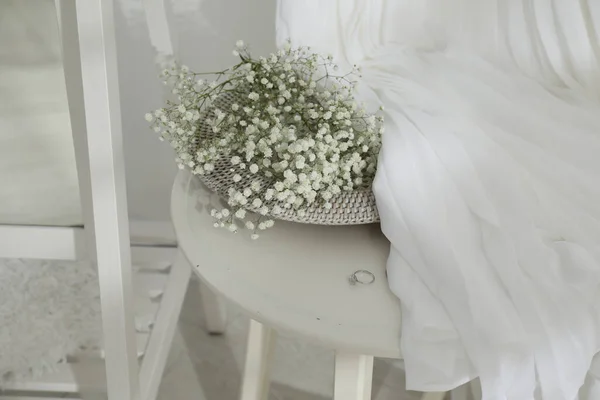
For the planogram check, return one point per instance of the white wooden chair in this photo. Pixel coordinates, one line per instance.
(90, 68)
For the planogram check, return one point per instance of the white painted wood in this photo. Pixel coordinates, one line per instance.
(158, 26)
(69, 35)
(69, 243)
(434, 396)
(460, 393)
(296, 277)
(259, 356)
(214, 310)
(157, 256)
(475, 386)
(95, 22)
(42, 242)
(17, 396)
(82, 356)
(161, 39)
(353, 377)
(87, 376)
(152, 233)
(155, 360)
(92, 90)
(57, 6)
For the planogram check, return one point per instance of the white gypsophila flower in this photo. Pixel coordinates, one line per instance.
(250, 225)
(208, 167)
(241, 213)
(239, 44)
(299, 126)
(238, 197)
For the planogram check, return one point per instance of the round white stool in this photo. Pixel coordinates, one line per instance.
(296, 278)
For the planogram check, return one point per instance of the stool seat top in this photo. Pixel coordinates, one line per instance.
(295, 277)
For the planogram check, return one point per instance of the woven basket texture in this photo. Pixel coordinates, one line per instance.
(348, 208)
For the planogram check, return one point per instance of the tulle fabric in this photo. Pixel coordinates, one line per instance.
(488, 182)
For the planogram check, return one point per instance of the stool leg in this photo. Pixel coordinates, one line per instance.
(259, 354)
(460, 393)
(353, 377)
(475, 386)
(434, 396)
(214, 311)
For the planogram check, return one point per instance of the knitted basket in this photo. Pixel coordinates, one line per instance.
(348, 208)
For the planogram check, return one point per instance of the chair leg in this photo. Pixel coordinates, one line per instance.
(353, 377)
(434, 396)
(161, 338)
(259, 355)
(89, 47)
(67, 23)
(214, 311)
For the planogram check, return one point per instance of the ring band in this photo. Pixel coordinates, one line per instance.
(354, 278)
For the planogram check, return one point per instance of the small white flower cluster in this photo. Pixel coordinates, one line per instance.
(230, 219)
(297, 124)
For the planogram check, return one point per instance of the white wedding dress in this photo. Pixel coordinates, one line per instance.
(488, 182)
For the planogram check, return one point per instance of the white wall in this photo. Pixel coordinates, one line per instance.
(204, 32)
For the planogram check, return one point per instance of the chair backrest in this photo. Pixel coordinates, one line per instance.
(159, 31)
(158, 26)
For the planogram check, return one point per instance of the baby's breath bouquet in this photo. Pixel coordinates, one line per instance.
(285, 130)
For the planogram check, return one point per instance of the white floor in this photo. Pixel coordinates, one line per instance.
(203, 367)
